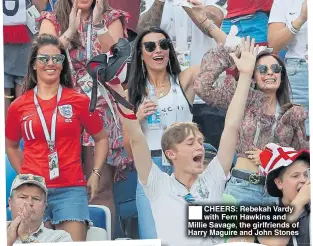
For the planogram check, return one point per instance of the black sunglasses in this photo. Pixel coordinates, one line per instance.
(164, 44)
(263, 69)
(56, 59)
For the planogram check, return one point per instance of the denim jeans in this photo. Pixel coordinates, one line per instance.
(246, 193)
(255, 26)
(145, 218)
(297, 71)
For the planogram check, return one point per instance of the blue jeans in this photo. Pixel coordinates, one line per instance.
(67, 204)
(145, 218)
(255, 26)
(246, 193)
(297, 71)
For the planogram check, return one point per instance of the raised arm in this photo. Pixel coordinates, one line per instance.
(213, 64)
(279, 33)
(40, 4)
(208, 18)
(139, 145)
(151, 17)
(235, 112)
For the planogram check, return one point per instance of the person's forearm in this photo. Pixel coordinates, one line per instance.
(16, 158)
(213, 31)
(66, 38)
(152, 17)
(213, 64)
(106, 41)
(237, 106)
(40, 4)
(298, 208)
(101, 153)
(210, 16)
(279, 39)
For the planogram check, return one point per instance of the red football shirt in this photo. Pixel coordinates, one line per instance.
(73, 114)
(237, 8)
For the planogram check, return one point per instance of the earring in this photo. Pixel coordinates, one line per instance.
(169, 64)
(143, 69)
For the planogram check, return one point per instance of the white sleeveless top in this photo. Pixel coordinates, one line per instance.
(173, 108)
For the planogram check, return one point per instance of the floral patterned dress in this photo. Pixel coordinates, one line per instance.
(117, 155)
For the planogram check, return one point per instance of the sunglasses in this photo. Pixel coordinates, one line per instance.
(263, 69)
(56, 59)
(164, 44)
(26, 177)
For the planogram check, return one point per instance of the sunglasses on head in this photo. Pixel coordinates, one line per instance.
(56, 59)
(164, 44)
(26, 177)
(263, 69)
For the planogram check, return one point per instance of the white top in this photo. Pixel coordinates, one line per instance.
(173, 108)
(48, 235)
(186, 36)
(169, 208)
(286, 11)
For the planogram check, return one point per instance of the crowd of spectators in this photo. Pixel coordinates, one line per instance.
(215, 85)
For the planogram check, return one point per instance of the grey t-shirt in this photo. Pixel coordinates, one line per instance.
(50, 236)
(16, 55)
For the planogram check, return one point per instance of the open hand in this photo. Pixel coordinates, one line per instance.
(12, 234)
(198, 10)
(98, 12)
(246, 63)
(75, 18)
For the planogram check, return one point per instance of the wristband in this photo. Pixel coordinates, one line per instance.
(162, 1)
(292, 29)
(101, 31)
(210, 27)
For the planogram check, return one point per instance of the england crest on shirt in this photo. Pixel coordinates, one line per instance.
(66, 111)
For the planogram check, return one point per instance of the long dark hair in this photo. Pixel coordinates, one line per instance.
(30, 80)
(137, 82)
(284, 90)
(63, 10)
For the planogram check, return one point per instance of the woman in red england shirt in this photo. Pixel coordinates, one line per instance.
(49, 116)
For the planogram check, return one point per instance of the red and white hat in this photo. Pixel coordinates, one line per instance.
(274, 158)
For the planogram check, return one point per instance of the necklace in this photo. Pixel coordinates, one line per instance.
(161, 92)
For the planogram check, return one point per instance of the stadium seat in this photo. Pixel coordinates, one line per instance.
(101, 218)
(96, 234)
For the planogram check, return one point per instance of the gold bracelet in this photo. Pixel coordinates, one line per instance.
(97, 172)
(8, 97)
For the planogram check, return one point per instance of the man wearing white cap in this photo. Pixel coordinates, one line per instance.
(287, 177)
(27, 203)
